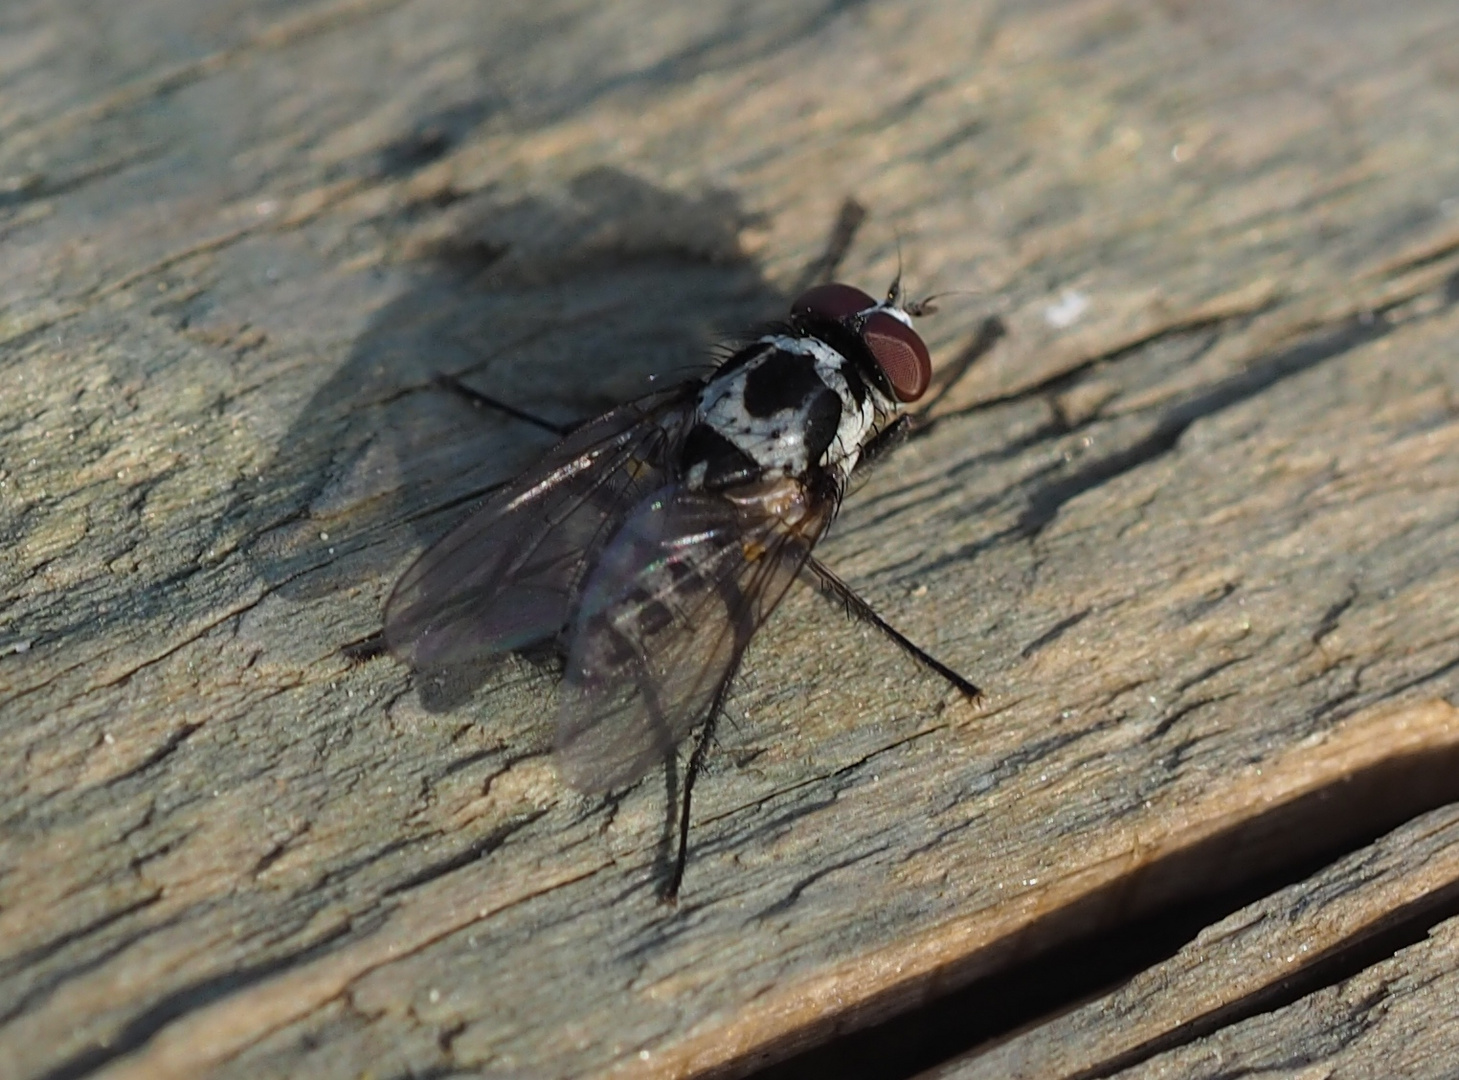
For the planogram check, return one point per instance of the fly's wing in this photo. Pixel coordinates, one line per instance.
(662, 622)
(506, 577)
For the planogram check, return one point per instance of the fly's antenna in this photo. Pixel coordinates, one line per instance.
(928, 304)
(894, 294)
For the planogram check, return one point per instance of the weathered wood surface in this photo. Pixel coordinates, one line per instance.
(1194, 521)
(1398, 1017)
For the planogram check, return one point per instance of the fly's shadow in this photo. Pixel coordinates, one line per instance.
(564, 303)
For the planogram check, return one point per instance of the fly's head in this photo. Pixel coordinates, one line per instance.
(877, 335)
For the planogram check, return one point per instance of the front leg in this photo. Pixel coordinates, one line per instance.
(887, 439)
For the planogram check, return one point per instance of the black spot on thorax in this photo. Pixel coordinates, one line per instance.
(784, 381)
(822, 419)
(724, 462)
(860, 368)
(790, 381)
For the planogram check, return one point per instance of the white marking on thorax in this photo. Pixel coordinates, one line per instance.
(777, 442)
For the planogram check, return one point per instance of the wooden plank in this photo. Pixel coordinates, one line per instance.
(1397, 1018)
(1214, 1004)
(1193, 521)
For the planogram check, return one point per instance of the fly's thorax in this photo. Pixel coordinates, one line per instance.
(785, 406)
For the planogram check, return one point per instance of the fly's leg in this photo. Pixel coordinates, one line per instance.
(700, 755)
(485, 401)
(696, 765)
(887, 439)
(834, 588)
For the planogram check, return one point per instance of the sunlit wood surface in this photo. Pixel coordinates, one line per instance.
(1192, 520)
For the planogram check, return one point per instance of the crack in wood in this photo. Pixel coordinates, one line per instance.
(476, 850)
(164, 750)
(1286, 179)
(1053, 633)
(186, 1000)
(1403, 926)
(1294, 841)
(1045, 504)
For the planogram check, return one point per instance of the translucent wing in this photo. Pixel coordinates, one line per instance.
(664, 617)
(506, 577)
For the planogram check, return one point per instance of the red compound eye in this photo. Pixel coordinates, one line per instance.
(832, 301)
(900, 352)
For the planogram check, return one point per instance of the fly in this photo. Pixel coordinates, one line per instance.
(653, 541)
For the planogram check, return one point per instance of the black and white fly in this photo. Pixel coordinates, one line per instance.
(654, 541)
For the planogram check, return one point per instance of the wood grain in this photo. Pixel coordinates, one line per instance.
(1193, 521)
(1394, 1019)
(1216, 1000)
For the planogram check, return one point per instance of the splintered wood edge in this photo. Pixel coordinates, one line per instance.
(1399, 1017)
(1236, 967)
(1169, 853)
